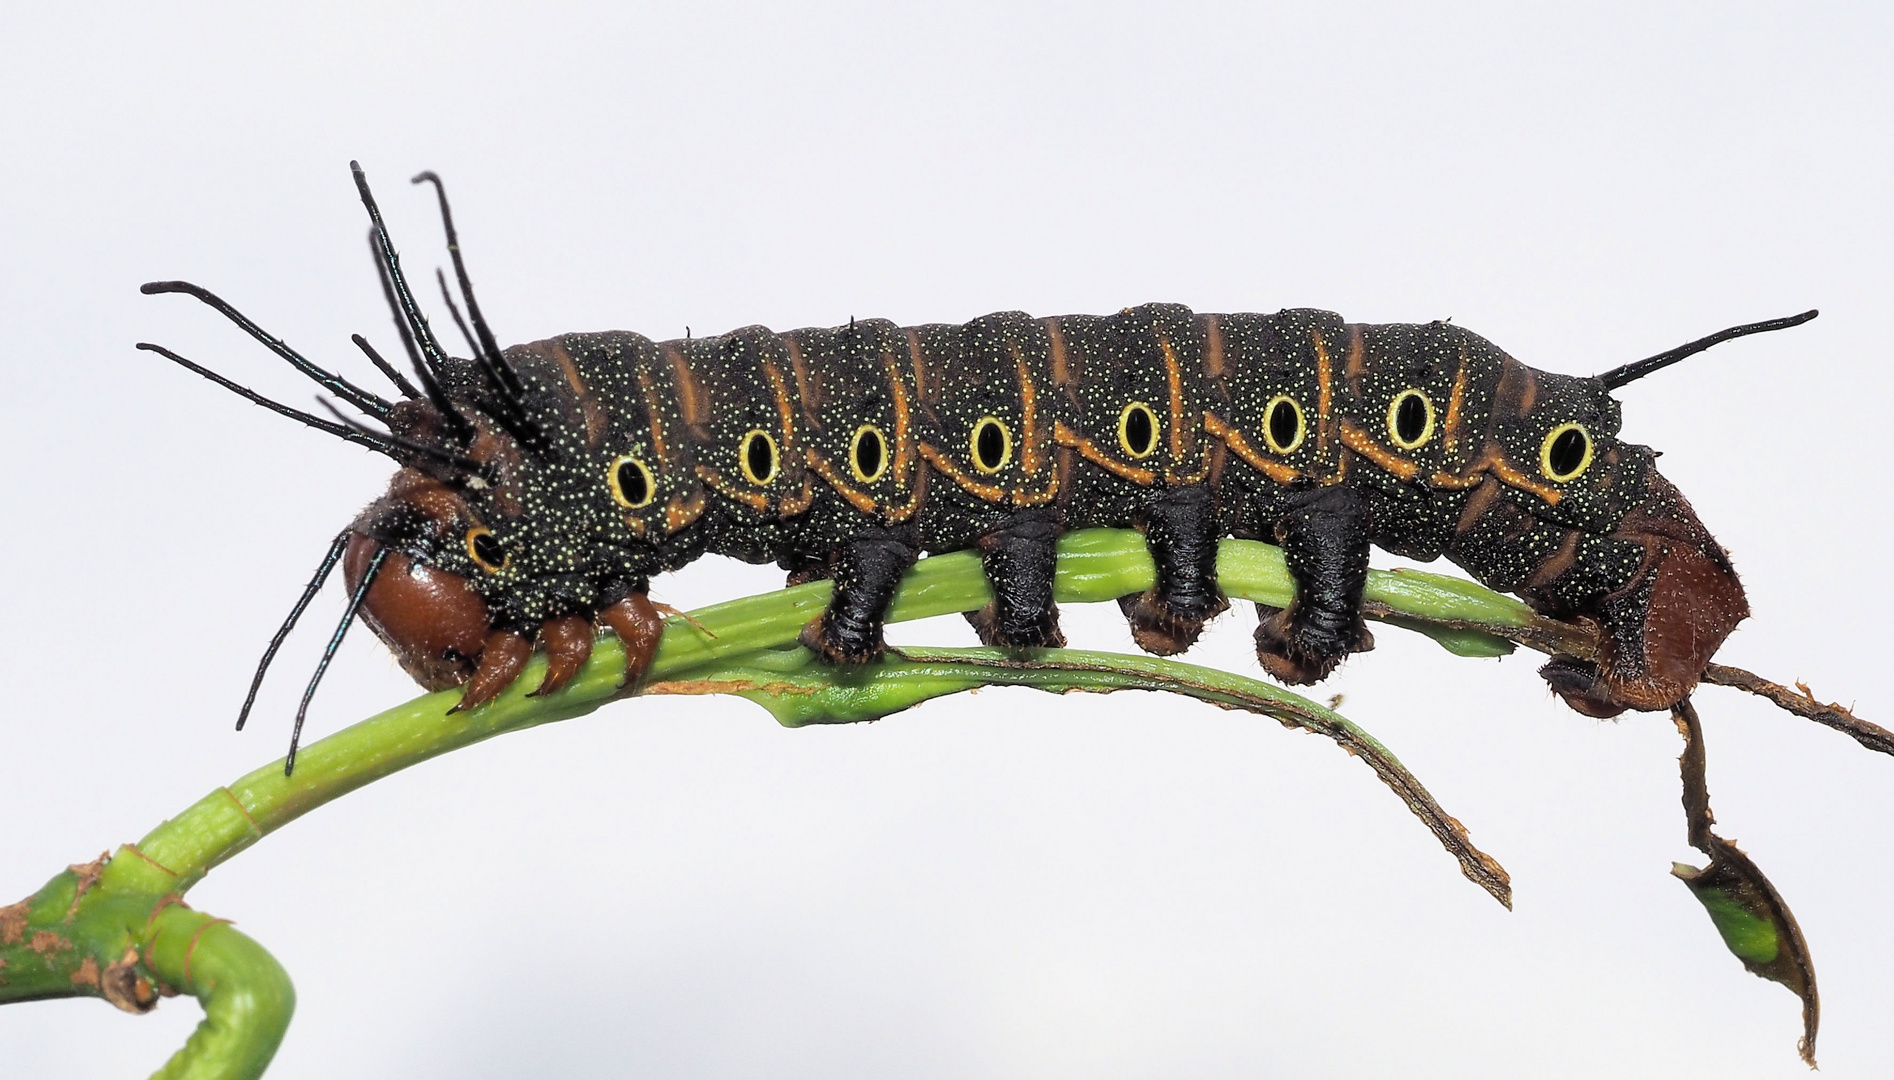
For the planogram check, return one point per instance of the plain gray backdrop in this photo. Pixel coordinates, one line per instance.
(1004, 884)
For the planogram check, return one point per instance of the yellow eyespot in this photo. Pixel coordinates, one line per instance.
(485, 551)
(868, 454)
(1137, 430)
(631, 482)
(1566, 452)
(991, 444)
(1283, 424)
(759, 458)
(1410, 419)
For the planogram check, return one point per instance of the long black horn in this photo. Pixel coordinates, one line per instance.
(510, 392)
(432, 356)
(1618, 376)
(393, 373)
(487, 341)
(458, 462)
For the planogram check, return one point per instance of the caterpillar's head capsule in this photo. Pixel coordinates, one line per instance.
(432, 620)
(431, 617)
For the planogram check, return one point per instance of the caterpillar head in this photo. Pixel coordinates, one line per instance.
(426, 610)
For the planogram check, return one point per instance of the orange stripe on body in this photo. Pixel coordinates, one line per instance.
(1025, 497)
(1357, 362)
(655, 416)
(1323, 375)
(796, 504)
(690, 398)
(906, 510)
(1451, 481)
(1174, 379)
(1514, 478)
(1358, 441)
(1061, 370)
(1232, 438)
(786, 411)
(755, 500)
(1558, 562)
(1492, 463)
(589, 408)
(903, 440)
(858, 499)
(938, 460)
(1029, 455)
(680, 511)
(1065, 436)
(919, 361)
(799, 367)
(1213, 346)
(1455, 401)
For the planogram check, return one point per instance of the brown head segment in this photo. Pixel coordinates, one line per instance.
(432, 619)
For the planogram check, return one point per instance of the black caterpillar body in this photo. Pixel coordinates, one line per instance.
(543, 485)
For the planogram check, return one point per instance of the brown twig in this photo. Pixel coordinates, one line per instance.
(1803, 704)
(1732, 878)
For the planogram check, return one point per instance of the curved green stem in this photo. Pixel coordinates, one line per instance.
(246, 995)
(798, 690)
(116, 928)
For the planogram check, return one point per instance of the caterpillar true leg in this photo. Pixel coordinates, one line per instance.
(502, 659)
(637, 623)
(568, 641)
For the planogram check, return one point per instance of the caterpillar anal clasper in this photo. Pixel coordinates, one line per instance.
(543, 485)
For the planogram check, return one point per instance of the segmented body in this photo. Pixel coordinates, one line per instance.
(845, 452)
(543, 485)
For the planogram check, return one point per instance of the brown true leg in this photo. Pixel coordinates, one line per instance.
(501, 660)
(637, 623)
(568, 646)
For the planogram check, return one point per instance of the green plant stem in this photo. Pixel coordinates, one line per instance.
(798, 690)
(125, 921)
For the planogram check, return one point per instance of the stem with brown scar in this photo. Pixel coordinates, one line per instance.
(118, 929)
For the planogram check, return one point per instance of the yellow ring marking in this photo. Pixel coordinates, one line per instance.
(473, 553)
(618, 488)
(1394, 414)
(868, 476)
(743, 458)
(1269, 427)
(1545, 453)
(1124, 430)
(986, 423)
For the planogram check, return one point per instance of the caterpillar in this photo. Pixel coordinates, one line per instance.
(543, 485)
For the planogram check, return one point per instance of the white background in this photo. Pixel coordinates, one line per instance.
(1003, 885)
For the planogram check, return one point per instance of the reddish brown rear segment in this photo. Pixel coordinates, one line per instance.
(1692, 600)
